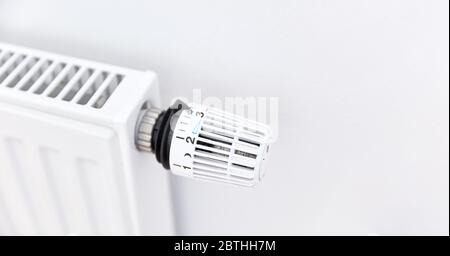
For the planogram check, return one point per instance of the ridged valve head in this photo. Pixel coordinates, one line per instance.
(205, 143)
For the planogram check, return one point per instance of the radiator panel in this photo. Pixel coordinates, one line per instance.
(49, 188)
(68, 162)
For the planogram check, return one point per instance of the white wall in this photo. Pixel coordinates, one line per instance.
(363, 89)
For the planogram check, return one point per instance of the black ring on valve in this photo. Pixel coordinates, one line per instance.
(162, 133)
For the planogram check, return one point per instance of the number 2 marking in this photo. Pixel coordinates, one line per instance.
(190, 140)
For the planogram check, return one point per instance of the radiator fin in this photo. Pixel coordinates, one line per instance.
(56, 79)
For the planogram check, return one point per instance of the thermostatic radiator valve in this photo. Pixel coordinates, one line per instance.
(205, 143)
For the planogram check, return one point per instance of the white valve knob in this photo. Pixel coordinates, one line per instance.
(210, 144)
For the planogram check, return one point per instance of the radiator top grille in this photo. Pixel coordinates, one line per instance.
(57, 79)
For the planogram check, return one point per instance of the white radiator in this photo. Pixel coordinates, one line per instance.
(73, 141)
(68, 162)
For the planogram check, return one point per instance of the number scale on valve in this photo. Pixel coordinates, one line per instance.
(184, 140)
